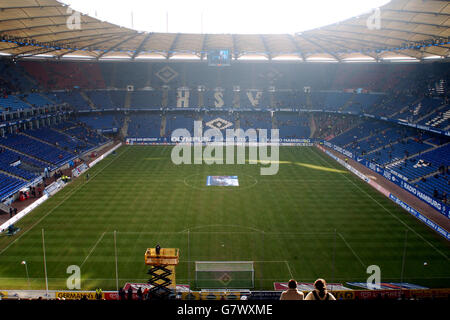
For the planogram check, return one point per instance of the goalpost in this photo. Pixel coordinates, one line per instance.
(224, 274)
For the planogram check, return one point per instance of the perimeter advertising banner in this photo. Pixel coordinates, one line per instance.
(421, 217)
(166, 141)
(114, 295)
(395, 294)
(76, 295)
(211, 295)
(302, 286)
(79, 170)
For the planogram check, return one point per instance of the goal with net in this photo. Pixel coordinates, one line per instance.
(224, 274)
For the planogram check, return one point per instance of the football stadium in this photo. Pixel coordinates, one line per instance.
(209, 166)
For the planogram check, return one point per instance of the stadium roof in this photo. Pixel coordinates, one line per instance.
(402, 29)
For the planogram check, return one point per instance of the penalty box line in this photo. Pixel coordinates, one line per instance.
(351, 249)
(286, 262)
(93, 248)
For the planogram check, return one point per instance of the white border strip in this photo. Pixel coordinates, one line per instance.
(93, 163)
(23, 213)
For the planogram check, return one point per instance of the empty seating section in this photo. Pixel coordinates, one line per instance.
(171, 99)
(327, 126)
(336, 100)
(121, 75)
(117, 98)
(439, 119)
(397, 151)
(9, 156)
(363, 101)
(13, 163)
(403, 150)
(15, 170)
(60, 140)
(37, 100)
(74, 99)
(100, 99)
(12, 103)
(179, 121)
(372, 77)
(438, 140)
(54, 96)
(64, 125)
(147, 99)
(360, 131)
(390, 105)
(374, 141)
(291, 125)
(87, 135)
(318, 99)
(13, 78)
(102, 121)
(249, 99)
(290, 98)
(380, 143)
(439, 182)
(37, 149)
(193, 99)
(146, 125)
(379, 139)
(255, 120)
(423, 164)
(65, 75)
(420, 108)
(9, 185)
(81, 133)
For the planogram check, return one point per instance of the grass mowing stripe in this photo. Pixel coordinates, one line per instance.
(393, 215)
(64, 199)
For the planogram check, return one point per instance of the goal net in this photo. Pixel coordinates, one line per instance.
(224, 274)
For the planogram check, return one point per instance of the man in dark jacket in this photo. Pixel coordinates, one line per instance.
(121, 294)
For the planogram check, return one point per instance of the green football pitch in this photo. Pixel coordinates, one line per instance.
(312, 219)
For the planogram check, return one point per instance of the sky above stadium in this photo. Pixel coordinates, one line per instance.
(230, 16)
